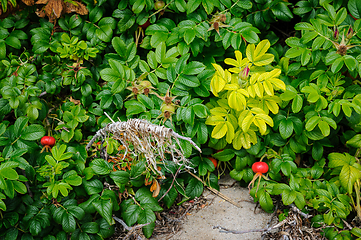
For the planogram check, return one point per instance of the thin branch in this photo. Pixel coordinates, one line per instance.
(42, 94)
(218, 193)
(130, 229)
(174, 177)
(106, 114)
(297, 210)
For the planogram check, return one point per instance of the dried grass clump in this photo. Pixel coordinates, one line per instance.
(141, 138)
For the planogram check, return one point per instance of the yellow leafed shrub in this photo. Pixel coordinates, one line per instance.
(246, 95)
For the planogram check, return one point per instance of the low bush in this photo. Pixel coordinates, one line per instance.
(223, 74)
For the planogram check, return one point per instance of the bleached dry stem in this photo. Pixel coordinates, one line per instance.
(139, 137)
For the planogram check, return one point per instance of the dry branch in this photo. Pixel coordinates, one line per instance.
(215, 191)
(130, 229)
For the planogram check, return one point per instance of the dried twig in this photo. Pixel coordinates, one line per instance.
(296, 209)
(174, 177)
(130, 229)
(218, 193)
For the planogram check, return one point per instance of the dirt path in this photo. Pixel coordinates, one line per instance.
(199, 225)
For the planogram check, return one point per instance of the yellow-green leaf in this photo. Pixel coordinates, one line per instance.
(274, 73)
(260, 123)
(227, 76)
(264, 60)
(251, 91)
(219, 69)
(258, 88)
(235, 70)
(272, 106)
(217, 84)
(237, 101)
(250, 52)
(218, 111)
(238, 55)
(214, 120)
(254, 78)
(219, 130)
(237, 144)
(247, 121)
(232, 86)
(268, 88)
(348, 176)
(246, 144)
(230, 132)
(231, 61)
(324, 127)
(279, 84)
(232, 119)
(261, 48)
(265, 118)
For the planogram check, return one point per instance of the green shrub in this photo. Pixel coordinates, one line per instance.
(295, 102)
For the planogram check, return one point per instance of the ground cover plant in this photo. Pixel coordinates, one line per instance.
(219, 72)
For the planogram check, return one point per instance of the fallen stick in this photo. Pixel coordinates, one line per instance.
(174, 177)
(130, 229)
(215, 191)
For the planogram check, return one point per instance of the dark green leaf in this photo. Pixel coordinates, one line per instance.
(354, 6)
(225, 155)
(68, 222)
(33, 132)
(105, 209)
(194, 188)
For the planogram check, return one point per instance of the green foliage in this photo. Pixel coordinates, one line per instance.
(294, 103)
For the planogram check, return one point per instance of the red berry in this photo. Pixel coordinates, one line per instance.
(260, 167)
(145, 25)
(214, 161)
(47, 141)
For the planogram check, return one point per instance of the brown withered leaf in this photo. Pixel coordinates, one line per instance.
(40, 13)
(77, 7)
(54, 7)
(155, 188)
(28, 2)
(76, 102)
(42, 2)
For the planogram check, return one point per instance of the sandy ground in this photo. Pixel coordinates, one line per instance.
(218, 212)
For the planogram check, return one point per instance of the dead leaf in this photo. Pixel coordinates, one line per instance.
(155, 188)
(28, 2)
(76, 102)
(147, 182)
(42, 1)
(77, 7)
(40, 13)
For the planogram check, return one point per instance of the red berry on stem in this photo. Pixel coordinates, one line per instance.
(214, 161)
(47, 141)
(145, 25)
(260, 167)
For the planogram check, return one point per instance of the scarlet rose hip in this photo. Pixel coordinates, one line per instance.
(260, 167)
(214, 161)
(145, 25)
(47, 141)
